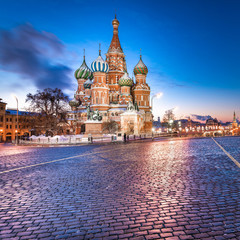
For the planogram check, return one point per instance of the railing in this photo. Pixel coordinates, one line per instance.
(87, 139)
(68, 141)
(104, 139)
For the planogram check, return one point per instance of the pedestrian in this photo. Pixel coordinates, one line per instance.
(125, 137)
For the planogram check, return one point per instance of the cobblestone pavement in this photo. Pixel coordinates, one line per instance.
(184, 189)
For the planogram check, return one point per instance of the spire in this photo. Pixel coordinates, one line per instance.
(234, 117)
(84, 53)
(115, 43)
(99, 49)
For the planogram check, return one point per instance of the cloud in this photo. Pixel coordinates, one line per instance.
(34, 56)
(198, 118)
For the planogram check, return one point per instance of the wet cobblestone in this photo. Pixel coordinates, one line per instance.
(148, 190)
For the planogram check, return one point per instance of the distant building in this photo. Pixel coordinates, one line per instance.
(8, 123)
(212, 124)
(234, 123)
(157, 125)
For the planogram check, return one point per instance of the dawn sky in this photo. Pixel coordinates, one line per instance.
(191, 49)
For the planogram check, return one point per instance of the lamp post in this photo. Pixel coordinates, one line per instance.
(17, 120)
(158, 95)
(1, 135)
(179, 127)
(170, 123)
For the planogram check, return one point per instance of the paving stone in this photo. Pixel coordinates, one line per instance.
(144, 190)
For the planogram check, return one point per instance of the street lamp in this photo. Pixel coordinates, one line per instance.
(170, 123)
(179, 127)
(1, 135)
(158, 95)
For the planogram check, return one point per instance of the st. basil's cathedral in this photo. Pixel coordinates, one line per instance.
(107, 88)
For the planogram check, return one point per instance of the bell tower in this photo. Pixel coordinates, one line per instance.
(117, 63)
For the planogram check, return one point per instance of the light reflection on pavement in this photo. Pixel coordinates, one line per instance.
(183, 189)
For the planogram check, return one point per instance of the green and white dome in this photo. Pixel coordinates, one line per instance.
(74, 103)
(140, 68)
(83, 72)
(125, 80)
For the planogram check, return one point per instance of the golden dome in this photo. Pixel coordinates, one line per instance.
(115, 21)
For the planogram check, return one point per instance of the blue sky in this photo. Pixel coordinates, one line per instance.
(190, 47)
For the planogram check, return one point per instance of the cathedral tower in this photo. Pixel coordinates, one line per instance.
(82, 74)
(117, 64)
(141, 90)
(100, 88)
(234, 124)
(126, 83)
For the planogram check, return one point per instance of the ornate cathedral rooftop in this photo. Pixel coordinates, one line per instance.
(115, 45)
(140, 68)
(83, 71)
(99, 65)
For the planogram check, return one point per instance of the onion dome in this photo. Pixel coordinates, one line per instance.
(84, 71)
(140, 68)
(99, 65)
(125, 80)
(88, 84)
(74, 103)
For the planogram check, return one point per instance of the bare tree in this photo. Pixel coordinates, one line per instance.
(50, 109)
(168, 115)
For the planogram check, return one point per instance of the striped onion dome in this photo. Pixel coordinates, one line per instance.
(140, 68)
(99, 65)
(125, 80)
(84, 71)
(88, 84)
(74, 103)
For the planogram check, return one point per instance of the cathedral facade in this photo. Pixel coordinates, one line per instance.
(107, 87)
